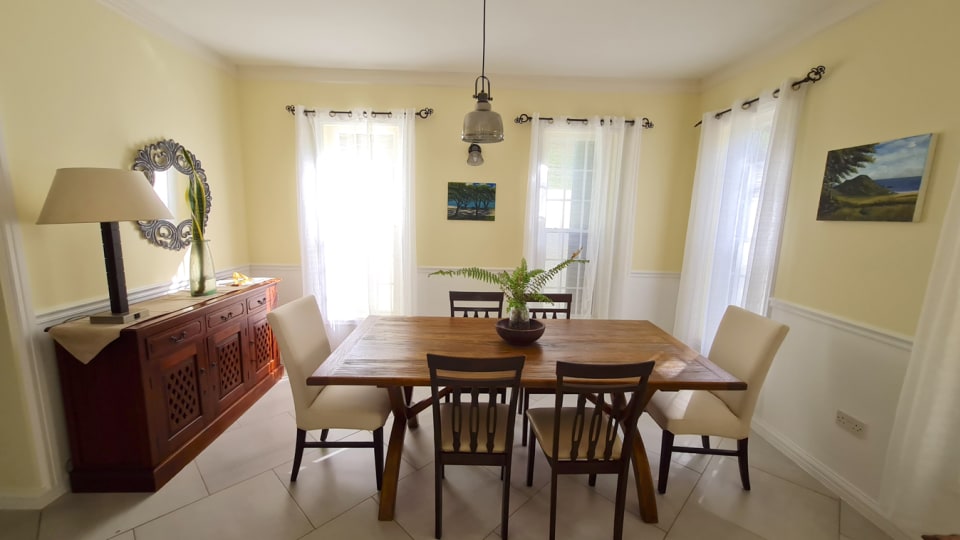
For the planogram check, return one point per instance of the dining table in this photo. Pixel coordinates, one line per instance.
(391, 352)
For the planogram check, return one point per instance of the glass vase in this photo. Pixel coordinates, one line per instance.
(203, 277)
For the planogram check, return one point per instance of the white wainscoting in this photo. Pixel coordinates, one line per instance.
(827, 363)
(291, 282)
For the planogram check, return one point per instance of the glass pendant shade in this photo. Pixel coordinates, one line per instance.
(474, 157)
(482, 126)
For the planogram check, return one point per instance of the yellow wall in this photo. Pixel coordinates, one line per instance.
(85, 87)
(890, 74)
(665, 178)
(18, 468)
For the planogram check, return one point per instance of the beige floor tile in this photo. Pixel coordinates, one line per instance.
(125, 536)
(774, 508)
(247, 451)
(360, 522)
(277, 400)
(698, 523)
(19, 524)
(80, 516)
(582, 514)
(331, 481)
(471, 502)
(856, 527)
(256, 509)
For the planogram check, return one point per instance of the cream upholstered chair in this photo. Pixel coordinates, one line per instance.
(744, 346)
(298, 327)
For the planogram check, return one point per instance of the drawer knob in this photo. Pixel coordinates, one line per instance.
(227, 317)
(178, 339)
(261, 301)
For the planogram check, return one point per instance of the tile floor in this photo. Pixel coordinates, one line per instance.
(239, 488)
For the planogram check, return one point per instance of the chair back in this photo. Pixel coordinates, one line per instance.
(562, 302)
(299, 329)
(475, 303)
(597, 421)
(473, 421)
(745, 346)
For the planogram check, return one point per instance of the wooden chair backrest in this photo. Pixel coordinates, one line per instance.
(561, 305)
(475, 303)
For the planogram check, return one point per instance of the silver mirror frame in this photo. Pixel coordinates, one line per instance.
(161, 156)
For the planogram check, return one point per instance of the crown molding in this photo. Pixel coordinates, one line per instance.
(460, 80)
(169, 33)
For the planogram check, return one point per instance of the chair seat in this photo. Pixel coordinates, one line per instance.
(542, 422)
(346, 407)
(499, 438)
(696, 412)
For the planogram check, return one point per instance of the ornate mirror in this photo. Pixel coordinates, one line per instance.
(168, 172)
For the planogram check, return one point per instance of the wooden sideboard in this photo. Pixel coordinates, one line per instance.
(155, 397)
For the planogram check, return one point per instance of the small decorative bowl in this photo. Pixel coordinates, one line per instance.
(517, 336)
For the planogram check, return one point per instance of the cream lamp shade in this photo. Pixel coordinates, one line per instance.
(105, 196)
(89, 195)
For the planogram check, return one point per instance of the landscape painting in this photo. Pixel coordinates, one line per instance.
(876, 182)
(471, 201)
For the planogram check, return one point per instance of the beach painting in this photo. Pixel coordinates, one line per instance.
(471, 201)
(876, 182)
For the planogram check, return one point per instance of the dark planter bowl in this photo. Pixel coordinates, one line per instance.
(516, 336)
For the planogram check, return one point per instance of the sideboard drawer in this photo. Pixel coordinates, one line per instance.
(257, 301)
(171, 339)
(224, 315)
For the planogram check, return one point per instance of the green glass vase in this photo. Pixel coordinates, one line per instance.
(203, 276)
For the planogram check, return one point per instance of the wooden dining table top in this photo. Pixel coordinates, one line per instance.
(392, 351)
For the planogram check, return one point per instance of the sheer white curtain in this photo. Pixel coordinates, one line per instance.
(921, 483)
(736, 212)
(597, 213)
(356, 214)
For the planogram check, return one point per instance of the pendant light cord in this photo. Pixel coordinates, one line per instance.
(483, 54)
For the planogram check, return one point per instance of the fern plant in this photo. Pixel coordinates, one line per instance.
(520, 286)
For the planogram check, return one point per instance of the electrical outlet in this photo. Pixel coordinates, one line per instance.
(850, 423)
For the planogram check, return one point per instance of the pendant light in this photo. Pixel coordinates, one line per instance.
(482, 125)
(474, 157)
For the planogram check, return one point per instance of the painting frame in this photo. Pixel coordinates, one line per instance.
(471, 201)
(883, 181)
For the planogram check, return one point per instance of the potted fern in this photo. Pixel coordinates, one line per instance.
(520, 286)
(203, 277)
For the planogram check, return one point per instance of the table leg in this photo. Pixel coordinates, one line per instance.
(391, 468)
(412, 421)
(641, 472)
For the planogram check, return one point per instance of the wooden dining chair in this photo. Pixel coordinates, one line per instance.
(473, 429)
(561, 305)
(298, 327)
(744, 346)
(473, 304)
(585, 438)
(476, 304)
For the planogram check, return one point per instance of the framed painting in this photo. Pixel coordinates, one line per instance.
(471, 201)
(882, 181)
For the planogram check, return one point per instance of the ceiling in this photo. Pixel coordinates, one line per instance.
(636, 40)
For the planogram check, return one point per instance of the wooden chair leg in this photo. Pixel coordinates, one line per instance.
(530, 450)
(505, 503)
(706, 441)
(526, 421)
(378, 456)
(742, 459)
(298, 454)
(592, 480)
(323, 434)
(553, 503)
(438, 499)
(666, 453)
(620, 505)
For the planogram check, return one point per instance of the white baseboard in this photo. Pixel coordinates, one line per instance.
(33, 500)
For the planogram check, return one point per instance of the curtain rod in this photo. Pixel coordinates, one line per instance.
(814, 75)
(645, 122)
(422, 113)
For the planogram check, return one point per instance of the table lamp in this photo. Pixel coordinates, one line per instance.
(105, 196)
